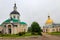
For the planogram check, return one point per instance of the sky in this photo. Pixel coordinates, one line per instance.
(31, 10)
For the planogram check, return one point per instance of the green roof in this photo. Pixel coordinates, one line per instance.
(14, 21)
(22, 23)
(9, 20)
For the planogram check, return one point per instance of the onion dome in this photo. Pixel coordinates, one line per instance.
(15, 10)
(49, 20)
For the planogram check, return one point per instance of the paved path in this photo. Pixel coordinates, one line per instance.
(44, 37)
(50, 37)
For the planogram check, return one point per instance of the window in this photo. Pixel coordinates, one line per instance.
(4, 25)
(9, 26)
(53, 26)
(14, 16)
(0, 32)
(15, 25)
(9, 29)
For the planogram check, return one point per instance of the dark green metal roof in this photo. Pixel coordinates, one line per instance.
(22, 23)
(8, 20)
(14, 21)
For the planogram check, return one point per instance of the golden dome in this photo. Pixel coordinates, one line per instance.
(49, 21)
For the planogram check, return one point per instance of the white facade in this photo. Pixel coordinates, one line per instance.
(13, 25)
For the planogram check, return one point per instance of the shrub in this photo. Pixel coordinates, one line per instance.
(36, 29)
(21, 33)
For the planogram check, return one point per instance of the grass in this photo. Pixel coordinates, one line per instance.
(16, 36)
(54, 33)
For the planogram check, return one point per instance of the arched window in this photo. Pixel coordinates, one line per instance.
(14, 16)
(9, 29)
(15, 25)
(11, 18)
(4, 25)
(9, 26)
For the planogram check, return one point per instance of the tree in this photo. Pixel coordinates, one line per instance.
(29, 29)
(35, 28)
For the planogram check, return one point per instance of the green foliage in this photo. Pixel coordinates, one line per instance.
(29, 29)
(54, 33)
(21, 33)
(35, 28)
(8, 35)
(27, 34)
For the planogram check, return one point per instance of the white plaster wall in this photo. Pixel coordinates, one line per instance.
(15, 30)
(16, 16)
(23, 28)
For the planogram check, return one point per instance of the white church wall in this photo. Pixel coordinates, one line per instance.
(16, 16)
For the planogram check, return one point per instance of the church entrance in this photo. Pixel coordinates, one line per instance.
(9, 29)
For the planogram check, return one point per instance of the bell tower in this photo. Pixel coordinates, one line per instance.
(15, 14)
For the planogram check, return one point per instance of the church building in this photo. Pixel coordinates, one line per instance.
(51, 26)
(13, 25)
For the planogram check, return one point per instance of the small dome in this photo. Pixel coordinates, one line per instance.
(15, 12)
(49, 21)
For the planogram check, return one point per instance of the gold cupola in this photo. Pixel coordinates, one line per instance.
(49, 20)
